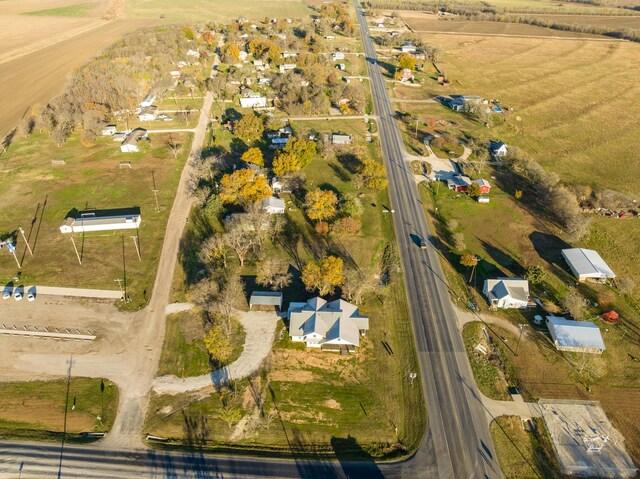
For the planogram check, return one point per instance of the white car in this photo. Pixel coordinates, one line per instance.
(6, 294)
(31, 296)
(17, 295)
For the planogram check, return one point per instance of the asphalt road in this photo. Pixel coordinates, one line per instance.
(458, 433)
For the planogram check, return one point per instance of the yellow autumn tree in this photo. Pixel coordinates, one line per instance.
(254, 156)
(407, 60)
(323, 275)
(286, 163)
(243, 187)
(374, 175)
(320, 204)
(230, 51)
(218, 344)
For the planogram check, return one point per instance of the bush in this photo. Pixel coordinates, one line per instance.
(350, 225)
(322, 227)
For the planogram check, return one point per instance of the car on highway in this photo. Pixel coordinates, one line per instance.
(423, 243)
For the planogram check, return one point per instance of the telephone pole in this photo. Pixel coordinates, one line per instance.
(25, 240)
(124, 270)
(76, 250)
(155, 191)
(135, 242)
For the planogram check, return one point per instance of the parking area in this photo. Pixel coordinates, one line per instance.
(586, 443)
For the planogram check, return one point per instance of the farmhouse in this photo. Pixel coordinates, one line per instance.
(460, 183)
(335, 56)
(575, 336)
(148, 113)
(266, 299)
(507, 292)
(253, 100)
(109, 130)
(498, 149)
(287, 66)
(273, 205)
(102, 220)
(341, 139)
(587, 265)
(408, 47)
(334, 326)
(406, 75)
(130, 143)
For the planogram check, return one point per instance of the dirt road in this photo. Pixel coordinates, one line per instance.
(36, 78)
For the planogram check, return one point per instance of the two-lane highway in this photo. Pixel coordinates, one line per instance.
(458, 433)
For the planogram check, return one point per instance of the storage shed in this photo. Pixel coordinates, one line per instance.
(575, 336)
(269, 299)
(586, 264)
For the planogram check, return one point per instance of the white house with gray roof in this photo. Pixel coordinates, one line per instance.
(330, 326)
(507, 292)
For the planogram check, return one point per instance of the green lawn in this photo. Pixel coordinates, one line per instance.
(75, 10)
(38, 195)
(36, 409)
(523, 454)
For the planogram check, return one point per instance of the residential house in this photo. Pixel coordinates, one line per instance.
(498, 149)
(119, 136)
(287, 67)
(273, 205)
(264, 80)
(334, 326)
(148, 113)
(280, 138)
(148, 100)
(341, 66)
(280, 185)
(587, 265)
(408, 47)
(265, 300)
(335, 56)
(130, 143)
(102, 220)
(109, 130)
(253, 100)
(341, 139)
(289, 54)
(507, 292)
(406, 75)
(575, 336)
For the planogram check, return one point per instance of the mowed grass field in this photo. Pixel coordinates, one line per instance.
(219, 10)
(36, 409)
(37, 197)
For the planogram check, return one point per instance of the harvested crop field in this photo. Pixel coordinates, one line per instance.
(610, 21)
(427, 23)
(23, 83)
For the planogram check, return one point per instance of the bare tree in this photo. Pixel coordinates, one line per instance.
(273, 273)
(358, 284)
(240, 239)
(174, 147)
(214, 251)
(230, 298)
(575, 304)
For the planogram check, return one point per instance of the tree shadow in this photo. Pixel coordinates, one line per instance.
(503, 259)
(356, 462)
(340, 172)
(349, 161)
(197, 230)
(549, 247)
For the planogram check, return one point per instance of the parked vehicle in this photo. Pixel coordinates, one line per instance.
(17, 295)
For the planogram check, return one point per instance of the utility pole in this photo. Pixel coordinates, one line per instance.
(76, 250)
(155, 190)
(124, 270)
(25, 240)
(119, 281)
(135, 242)
(416, 128)
(12, 249)
(521, 326)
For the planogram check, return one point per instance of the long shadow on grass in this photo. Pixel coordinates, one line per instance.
(198, 229)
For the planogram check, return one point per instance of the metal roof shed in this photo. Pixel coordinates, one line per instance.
(265, 298)
(587, 264)
(575, 336)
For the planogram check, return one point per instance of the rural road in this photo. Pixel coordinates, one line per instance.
(458, 434)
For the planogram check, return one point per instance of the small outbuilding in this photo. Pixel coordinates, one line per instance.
(587, 265)
(266, 300)
(575, 336)
(109, 130)
(273, 205)
(498, 149)
(611, 317)
(341, 139)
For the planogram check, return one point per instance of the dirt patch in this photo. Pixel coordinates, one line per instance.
(332, 404)
(292, 375)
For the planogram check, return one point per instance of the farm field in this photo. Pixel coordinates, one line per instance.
(220, 10)
(36, 409)
(425, 23)
(625, 21)
(24, 85)
(37, 196)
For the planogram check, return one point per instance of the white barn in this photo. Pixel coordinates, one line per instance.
(575, 336)
(87, 221)
(587, 264)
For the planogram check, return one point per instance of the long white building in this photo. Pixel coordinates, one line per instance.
(87, 221)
